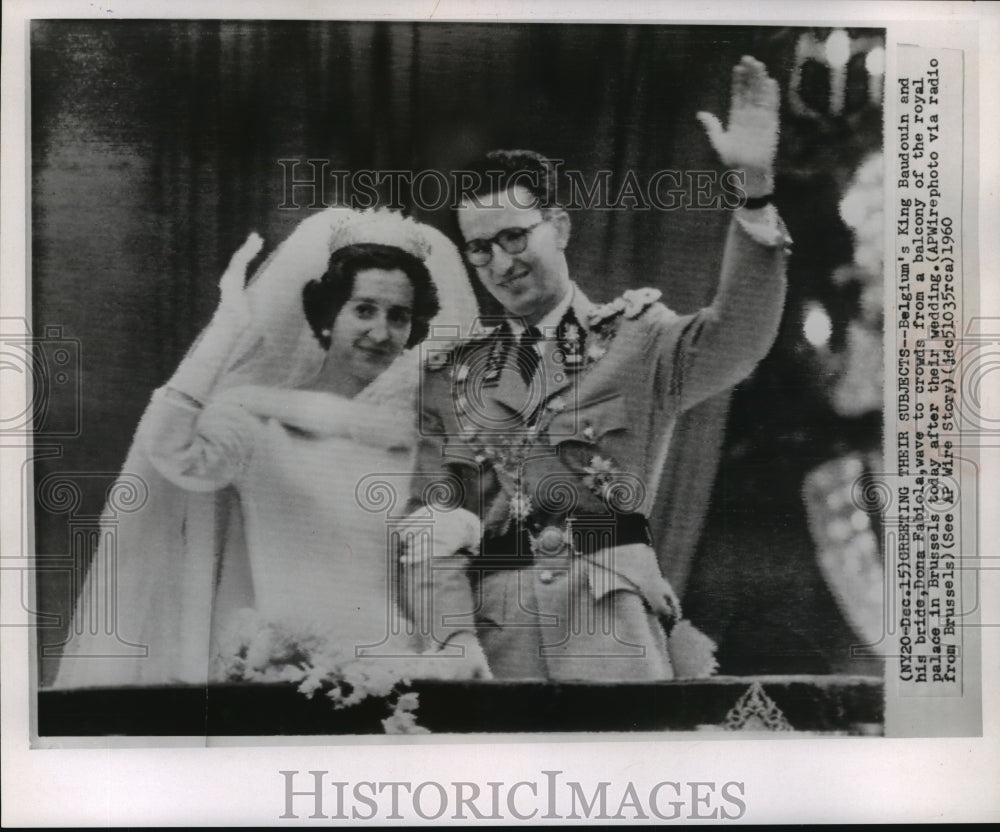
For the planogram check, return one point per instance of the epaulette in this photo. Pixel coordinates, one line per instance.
(631, 303)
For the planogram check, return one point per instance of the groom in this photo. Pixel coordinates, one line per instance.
(552, 427)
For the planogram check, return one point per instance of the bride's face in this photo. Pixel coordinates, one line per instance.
(373, 327)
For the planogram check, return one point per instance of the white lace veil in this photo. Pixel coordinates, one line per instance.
(279, 349)
(159, 564)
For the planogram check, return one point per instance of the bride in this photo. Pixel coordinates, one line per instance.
(254, 457)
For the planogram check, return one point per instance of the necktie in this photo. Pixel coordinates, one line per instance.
(528, 355)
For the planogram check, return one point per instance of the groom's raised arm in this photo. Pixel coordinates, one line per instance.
(721, 344)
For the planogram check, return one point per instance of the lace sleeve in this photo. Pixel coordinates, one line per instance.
(198, 448)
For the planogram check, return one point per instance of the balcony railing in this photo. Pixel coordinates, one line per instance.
(850, 705)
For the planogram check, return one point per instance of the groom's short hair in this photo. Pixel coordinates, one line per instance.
(500, 170)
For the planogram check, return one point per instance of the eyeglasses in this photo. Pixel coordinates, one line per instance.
(511, 240)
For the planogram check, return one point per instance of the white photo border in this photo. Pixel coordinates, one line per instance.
(792, 781)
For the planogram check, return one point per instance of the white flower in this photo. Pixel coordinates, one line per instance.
(605, 488)
(520, 506)
(279, 651)
(407, 702)
(557, 404)
(403, 722)
(599, 465)
(599, 477)
(595, 352)
(310, 685)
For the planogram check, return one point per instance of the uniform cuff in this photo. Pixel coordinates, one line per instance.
(764, 226)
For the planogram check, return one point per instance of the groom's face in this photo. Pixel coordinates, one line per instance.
(531, 282)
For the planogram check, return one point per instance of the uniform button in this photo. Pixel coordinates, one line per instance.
(546, 576)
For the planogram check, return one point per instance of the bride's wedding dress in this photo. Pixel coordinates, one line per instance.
(319, 555)
(267, 498)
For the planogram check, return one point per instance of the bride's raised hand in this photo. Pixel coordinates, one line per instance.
(233, 307)
(199, 370)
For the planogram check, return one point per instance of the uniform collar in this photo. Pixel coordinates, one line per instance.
(547, 325)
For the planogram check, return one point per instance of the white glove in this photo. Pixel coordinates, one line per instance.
(233, 304)
(633, 566)
(449, 662)
(452, 531)
(665, 602)
(198, 372)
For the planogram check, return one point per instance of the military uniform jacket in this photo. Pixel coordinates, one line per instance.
(588, 435)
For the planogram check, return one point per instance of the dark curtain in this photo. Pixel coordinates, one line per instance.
(157, 146)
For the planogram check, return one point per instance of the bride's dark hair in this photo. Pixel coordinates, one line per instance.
(323, 299)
